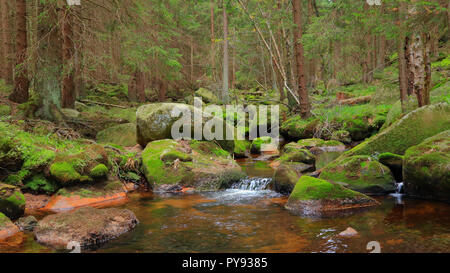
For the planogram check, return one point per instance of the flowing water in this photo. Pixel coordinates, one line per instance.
(250, 218)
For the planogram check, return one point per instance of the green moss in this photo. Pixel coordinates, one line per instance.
(4, 220)
(154, 168)
(297, 155)
(310, 188)
(426, 168)
(64, 172)
(5, 110)
(39, 184)
(310, 142)
(390, 159)
(12, 201)
(172, 155)
(409, 131)
(341, 136)
(240, 147)
(258, 142)
(360, 173)
(99, 171)
(114, 186)
(298, 128)
(122, 134)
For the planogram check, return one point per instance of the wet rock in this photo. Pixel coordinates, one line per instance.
(12, 201)
(287, 175)
(7, 228)
(122, 134)
(360, 173)
(103, 195)
(89, 227)
(197, 164)
(26, 223)
(319, 198)
(349, 232)
(393, 162)
(426, 169)
(409, 131)
(35, 202)
(155, 121)
(168, 188)
(294, 152)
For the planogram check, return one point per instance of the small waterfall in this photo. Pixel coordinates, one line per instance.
(398, 193)
(399, 188)
(252, 184)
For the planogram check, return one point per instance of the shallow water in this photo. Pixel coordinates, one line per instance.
(238, 220)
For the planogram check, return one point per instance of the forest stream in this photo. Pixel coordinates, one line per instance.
(250, 218)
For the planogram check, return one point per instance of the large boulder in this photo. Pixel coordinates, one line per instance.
(155, 121)
(199, 164)
(89, 227)
(319, 198)
(296, 128)
(360, 173)
(426, 168)
(7, 228)
(207, 96)
(411, 130)
(122, 134)
(12, 201)
(83, 167)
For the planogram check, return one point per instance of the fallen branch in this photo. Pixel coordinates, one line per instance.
(102, 103)
(359, 100)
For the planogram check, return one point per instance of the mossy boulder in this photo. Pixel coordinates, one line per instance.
(207, 96)
(360, 173)
(409, 131)
(318, 145)
(155, 121)
(341, 136)
(99, 171)
(296, 128)
(122, 134)
(184, 163)
(426, 168)
(68, 170)
(293, 152)
(88, 226)
(240, 148)
(320, 198)
(263, 144)
(40, 184)
(393, 162)
(7, 228)
(12, 201)
(286, 176)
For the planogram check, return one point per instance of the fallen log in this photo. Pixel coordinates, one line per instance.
(354, 101)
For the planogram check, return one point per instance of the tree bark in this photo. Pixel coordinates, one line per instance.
(21, 83)
(213, 40)
(78, 52)
(225, 77)
(49, 63)
(7, 71)
(68, 95)
(402, 58)
(302, 91)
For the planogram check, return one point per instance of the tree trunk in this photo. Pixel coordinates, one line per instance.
(302, 91)
(7, 71)
(402, 58)
(140, 86)
(132, 88)
(415, 67)
(21, 83)
(68, 89)
(78, 52)
(213, 38)
(225, 78)
(49, 63)
(162, 91)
